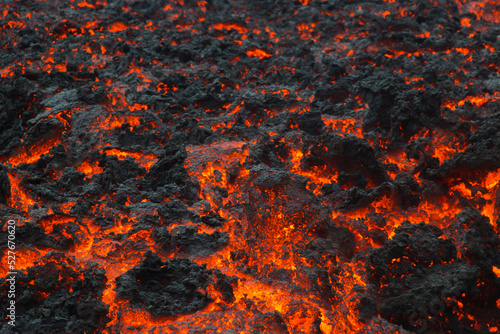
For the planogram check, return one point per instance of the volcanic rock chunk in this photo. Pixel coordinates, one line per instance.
(414, 109)
(419, 243)
(415, 273)
(422, 293)
(354, 197)
(336, 93)
(476, 238)
(268, 152)
(116, 172)
(213, 219)
(174, 211)
(63, 228)
(44, 131)
(165, 288)
(480, 245)
(256, 103)
(92, 95)
(394, 108)
(352, 180)
(169, 172)
(30, 234)
(379, 94)
(380, 326)
(278, 200)
(271, 322)
(189, 133)
(406, 190)
(336, 239)
(14, 97)
(131, 140)
(71, 178)
(223, 286)
(170, 166)
(4, 185)
(482, 154)
(186, 239)
(346, 154)
(55, 297)
(59, 102)
(311, 123)
(128, 191)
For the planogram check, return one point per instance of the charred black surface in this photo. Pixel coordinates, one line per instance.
(165, 288)
(4, 185)
(57, 297)
(186, 239)
(417, 273)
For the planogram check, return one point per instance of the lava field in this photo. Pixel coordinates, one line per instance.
(250, 166)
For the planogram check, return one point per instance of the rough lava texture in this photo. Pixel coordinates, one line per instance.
(74, 303)
(251, 166)
(165, 288)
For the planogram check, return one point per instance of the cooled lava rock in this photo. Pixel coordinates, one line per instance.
(483, 153)
(57, 297)
(418, 273)
(165, 289)
(346, 154)
(186, 239)
(4, 185)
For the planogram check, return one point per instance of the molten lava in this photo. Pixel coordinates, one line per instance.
(250, 166)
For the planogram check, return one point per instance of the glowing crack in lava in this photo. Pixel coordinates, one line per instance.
(245, 166)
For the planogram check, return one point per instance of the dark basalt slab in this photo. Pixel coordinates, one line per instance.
(163, 288)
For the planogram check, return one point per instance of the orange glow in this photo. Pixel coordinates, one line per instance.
(144, 160)
(60, 67)
(7, 72)
(496, 271)
(317, 177)
(491, 183)
(398, 157)
(208, 164)
(478, 101)
(347, 126)
(444, 144)
(254, 52)
(32, 153)
(117, 27)
(20, 198)
(89, 168)
(410, 80)
(25, 258)
(426, 34)
(48, 223)
(228, 26)
(489, 48)
(306, 31)
(464, 51)
(66, 207)
(113, 121)
(85, 4)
